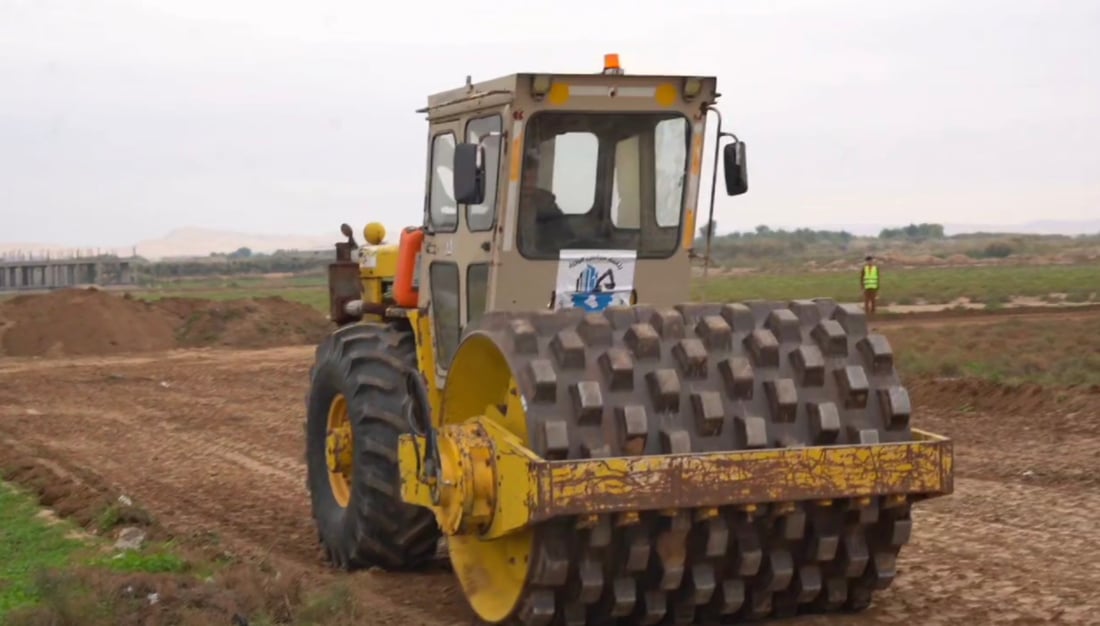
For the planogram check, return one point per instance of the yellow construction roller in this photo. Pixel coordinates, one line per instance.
(525, 375)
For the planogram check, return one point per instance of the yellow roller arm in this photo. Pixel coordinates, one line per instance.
(485, 468)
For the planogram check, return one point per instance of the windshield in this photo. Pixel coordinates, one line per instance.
(610, 181)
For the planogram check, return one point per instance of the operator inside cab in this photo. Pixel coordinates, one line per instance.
(602, 181)
(549, 220)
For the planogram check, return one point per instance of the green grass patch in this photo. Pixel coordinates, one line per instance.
(315, 296)
(1050, 352)
(35, 548)
(994, 285)
(153, 560)
(28, 544)
(933, 285)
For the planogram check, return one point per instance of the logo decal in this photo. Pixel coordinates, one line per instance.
(595, 279)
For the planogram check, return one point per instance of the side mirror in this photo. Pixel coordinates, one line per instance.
(736, 169)
(469, 173)
(345, 229)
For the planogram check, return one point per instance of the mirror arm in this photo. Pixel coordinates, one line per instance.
(714, 185)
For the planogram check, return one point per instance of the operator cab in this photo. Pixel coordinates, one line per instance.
(567, 190)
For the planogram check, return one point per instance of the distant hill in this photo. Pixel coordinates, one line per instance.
(201, 242)
(1038, 227)
(184, 242)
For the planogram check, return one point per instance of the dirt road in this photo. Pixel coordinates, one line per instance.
(210, 442)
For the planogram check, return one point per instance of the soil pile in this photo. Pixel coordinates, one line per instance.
(252, 323)
(75, 322)
(964, 396)
(82, 322)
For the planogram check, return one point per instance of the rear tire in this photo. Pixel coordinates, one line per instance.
(367, 364)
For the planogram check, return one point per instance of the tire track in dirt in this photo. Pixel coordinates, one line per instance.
(162, 441)
(179, 456)
(960, 318)
(217, 450)
(190, 484)
(190, 356)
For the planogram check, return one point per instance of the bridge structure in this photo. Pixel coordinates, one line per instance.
(26, 272)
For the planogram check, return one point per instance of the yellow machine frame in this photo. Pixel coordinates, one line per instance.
(471, 459)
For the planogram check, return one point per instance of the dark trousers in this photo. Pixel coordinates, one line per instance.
(869, 296)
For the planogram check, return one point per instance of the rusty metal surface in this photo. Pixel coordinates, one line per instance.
(754, 477)
(343, 251)
(343, 287)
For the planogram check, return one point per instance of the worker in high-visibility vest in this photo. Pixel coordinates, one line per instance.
(868, 281)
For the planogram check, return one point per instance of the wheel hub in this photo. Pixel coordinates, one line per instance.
(467, 480)
(339, 450)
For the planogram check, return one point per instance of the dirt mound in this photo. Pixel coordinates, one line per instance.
(82, 322)
(1048, 406)
(74, 322)
(253, 323)
(917, 260)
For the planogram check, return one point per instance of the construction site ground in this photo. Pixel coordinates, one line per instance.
(208, 441)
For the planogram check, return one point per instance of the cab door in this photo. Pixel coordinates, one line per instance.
(439, 271)
(481, 220)
(457, 256)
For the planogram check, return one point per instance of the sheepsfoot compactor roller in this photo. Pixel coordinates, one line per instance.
(525, 375)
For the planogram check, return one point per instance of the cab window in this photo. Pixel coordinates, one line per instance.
(602, 181)
(442, 209)
(486, 130)
(445, 310)
(477, 291)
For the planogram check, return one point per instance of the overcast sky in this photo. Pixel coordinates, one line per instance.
(121, 120)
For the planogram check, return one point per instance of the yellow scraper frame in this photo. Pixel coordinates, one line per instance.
(526, 489)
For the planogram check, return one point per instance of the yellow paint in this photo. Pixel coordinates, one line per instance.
(467, 491)
(377, 267)
(530, 489)
(481, 478)
(666, 94)
(587, 521)
(629, 518)
(414, 487)
(516, 478)
(339, 451)
(689, 229)
(517, 159)
(492, 568)
(559, 94)
(709, 512)
(744, 477)
(479, 378)
(894, 500)
(425, 357)
(374, 233)
(783, 508)
(492, 572)
(697, 151)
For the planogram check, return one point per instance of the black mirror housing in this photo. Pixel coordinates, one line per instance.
(469, 173)
(736, 168)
